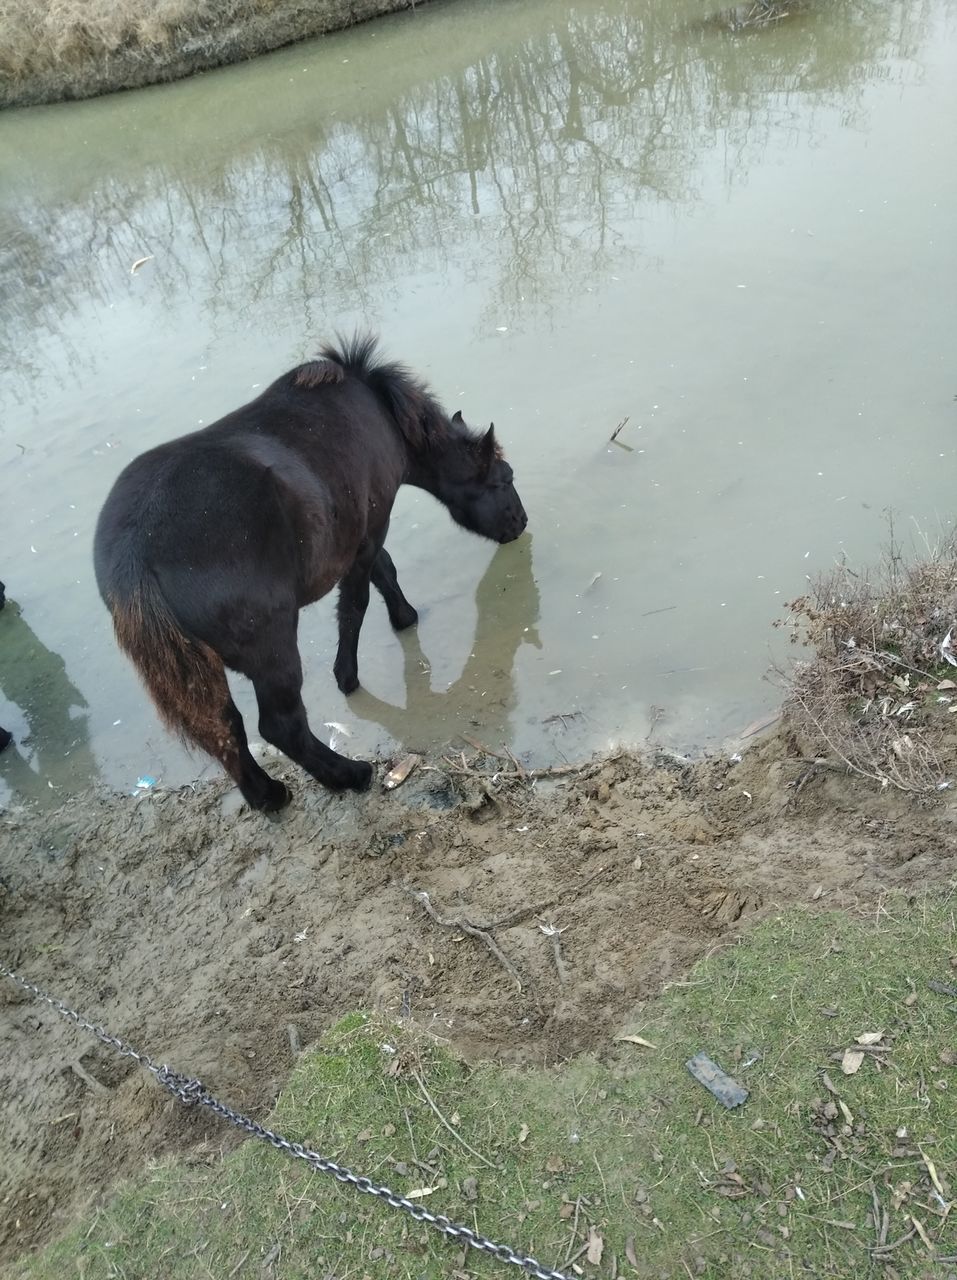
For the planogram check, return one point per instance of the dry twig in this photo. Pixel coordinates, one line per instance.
(457, 1136)
(466, 926)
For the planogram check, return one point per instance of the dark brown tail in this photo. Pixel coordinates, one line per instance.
(185, 678)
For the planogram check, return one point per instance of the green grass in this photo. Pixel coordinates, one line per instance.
(631, 1147)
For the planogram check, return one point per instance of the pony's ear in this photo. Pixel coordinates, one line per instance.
(457, 417)
(488, 448)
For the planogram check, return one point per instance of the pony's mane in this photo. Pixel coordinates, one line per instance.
(318, 373)
(421, 420)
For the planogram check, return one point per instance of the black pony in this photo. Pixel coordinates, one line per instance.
(207, 547)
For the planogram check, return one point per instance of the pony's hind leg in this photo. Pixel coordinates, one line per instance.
(283, 722)
(186, 679)
(220, 731)
(386, 582)
(259, 790)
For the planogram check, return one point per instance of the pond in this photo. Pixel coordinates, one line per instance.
(732, 232)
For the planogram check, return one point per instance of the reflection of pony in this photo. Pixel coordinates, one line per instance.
(5, 735)
(53, 752)
(482, 698)
(208, 547)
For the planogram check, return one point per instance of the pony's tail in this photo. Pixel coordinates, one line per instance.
(185, 678)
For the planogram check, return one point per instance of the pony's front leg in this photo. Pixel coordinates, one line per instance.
(386, 582)
(353, 602)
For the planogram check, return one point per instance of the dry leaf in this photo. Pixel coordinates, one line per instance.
(899, 1195)
(630, 1252)
(932, 1170)
(596, 1246)
(947, 684)
(851, 1062)
(554, 1164)
(455, 1118)
(922, 1233)
(523, 1133)
(645, 1044)
(870, 1037)
(566, 1210)
(419, 1192)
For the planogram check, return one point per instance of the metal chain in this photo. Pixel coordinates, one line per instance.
(191, 1092)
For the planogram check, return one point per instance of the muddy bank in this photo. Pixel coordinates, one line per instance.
(219, 940)
(80, 52)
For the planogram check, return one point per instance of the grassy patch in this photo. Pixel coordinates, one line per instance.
(808, 1178)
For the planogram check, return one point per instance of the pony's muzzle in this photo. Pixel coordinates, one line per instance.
(515, 528)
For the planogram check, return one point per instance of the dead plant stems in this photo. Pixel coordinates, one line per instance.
(441, 1118)
(466, 926)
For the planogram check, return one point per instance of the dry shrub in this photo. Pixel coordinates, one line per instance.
(75, 48)
(879, 692)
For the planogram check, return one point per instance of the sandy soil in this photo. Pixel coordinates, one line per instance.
(204, 933)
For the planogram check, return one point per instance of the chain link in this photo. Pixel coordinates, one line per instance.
(193, 1093)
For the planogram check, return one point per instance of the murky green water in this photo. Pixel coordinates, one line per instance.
(564, 214)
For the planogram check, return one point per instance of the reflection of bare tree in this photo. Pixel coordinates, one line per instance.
(590, 115)
(483, 697)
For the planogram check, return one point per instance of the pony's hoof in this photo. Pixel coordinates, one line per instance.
(363, 776)
(402, 620)
(277, 797)
(348, 681)
(6, 737)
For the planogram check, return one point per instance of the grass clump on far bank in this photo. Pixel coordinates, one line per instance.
(612, 1167)
(78, 48)
(879, 693)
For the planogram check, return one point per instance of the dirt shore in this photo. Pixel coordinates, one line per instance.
(84, 51)
(219, 940)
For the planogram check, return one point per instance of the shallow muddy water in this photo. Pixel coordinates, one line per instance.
(738, 238)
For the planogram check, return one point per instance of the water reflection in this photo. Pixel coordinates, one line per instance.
(50, 752)
(480, 702)
(565, 127)
(598, 178)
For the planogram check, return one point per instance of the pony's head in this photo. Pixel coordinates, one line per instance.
(475, 482)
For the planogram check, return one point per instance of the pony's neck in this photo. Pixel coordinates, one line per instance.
(420, 476)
